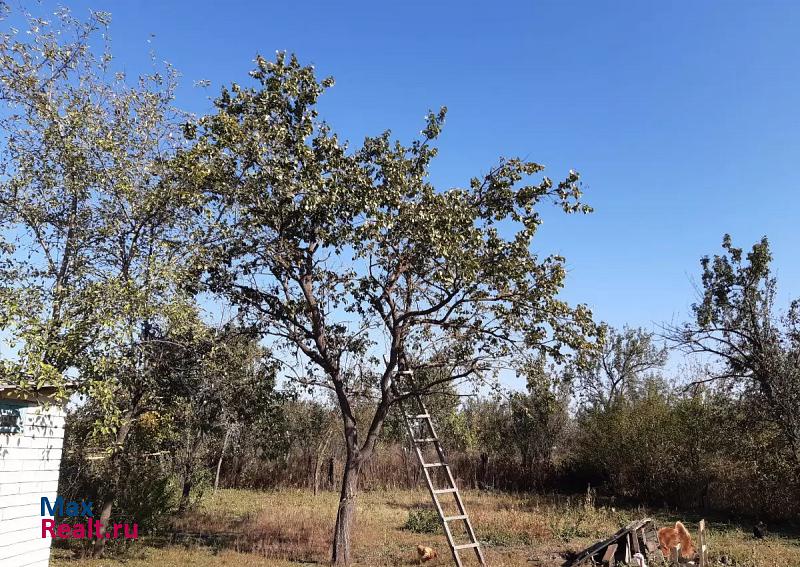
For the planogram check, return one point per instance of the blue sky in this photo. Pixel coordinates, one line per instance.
(682, 117)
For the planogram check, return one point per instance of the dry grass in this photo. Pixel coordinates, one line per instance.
(248, 528)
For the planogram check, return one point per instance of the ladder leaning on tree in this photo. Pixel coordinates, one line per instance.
(427, 436)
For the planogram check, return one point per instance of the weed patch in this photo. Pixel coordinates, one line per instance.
(423, 521)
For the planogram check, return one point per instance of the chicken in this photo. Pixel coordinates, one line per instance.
(426, 553)
(760, 530)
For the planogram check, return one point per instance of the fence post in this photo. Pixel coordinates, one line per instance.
(675, 556)
(703, 546)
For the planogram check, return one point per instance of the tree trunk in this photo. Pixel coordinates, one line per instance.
(187, 472)
(484, 469)
(410, 484)
(99, 545)
(105, 517)
(221, 455)
(186, 492)
(318, 463)
(345, 516)
(356, 456)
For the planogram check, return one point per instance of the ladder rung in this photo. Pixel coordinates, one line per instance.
(426, 440)
(431, 465)
(455, 518)
(420, 416)
(445, 490)
(465, 546)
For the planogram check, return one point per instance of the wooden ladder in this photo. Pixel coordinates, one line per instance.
(429, 436)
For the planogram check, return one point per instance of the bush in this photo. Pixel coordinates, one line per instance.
(145, 490)
(423, 521)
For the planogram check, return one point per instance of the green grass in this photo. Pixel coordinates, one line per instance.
(292, 527)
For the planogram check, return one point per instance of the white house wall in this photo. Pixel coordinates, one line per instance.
(29, 463)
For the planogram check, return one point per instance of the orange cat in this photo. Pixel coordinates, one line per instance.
(670, 537)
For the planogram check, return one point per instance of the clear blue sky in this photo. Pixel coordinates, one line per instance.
(682, 117)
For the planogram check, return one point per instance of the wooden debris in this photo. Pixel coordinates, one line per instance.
(608, 556)
(637, 537)
(640, 536)
(675, 555)
(702, 543)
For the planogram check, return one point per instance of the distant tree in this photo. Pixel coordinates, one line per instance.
(737, 325)
(539, 419)
(312, 427)
(349, 258)
(242, 381)
(628, 355)
(489, 424)
(212, 381)
(641, 448)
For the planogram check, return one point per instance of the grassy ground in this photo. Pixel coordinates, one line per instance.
(278, 529)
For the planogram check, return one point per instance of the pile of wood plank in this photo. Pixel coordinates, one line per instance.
(638, 539)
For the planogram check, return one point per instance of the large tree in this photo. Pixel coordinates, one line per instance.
(351, 260)
(757, 351)
(95, 232)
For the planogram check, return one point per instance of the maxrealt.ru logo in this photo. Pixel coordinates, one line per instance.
(91, 529)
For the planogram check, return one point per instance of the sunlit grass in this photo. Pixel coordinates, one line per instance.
(293, 527)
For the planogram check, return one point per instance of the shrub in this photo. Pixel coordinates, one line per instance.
(423, 521)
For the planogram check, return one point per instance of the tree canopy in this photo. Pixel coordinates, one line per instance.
(353, 260)
(755, 347)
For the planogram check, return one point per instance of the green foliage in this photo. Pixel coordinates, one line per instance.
(734, 283)
(345, 241)
(95, 232)
(694, 451)
(539, 418)
(142, 486)
(639, 445)
(755, 349)
(423, 521)
(116, 210)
